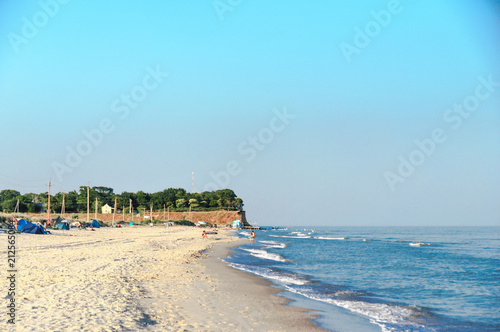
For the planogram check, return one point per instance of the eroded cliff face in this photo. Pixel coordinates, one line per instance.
(219, 217)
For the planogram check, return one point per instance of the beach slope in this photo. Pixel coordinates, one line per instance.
(144, 278)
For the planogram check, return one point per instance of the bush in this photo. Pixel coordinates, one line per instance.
(183, 222)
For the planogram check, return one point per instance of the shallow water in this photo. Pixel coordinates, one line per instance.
(381, 274)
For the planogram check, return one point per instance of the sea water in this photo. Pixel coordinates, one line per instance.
(396, 278)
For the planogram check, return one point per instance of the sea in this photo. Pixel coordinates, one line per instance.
(382, 278)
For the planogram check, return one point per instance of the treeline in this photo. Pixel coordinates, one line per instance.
(76, 201)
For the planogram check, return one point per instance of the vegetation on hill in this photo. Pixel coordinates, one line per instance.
(174, 199)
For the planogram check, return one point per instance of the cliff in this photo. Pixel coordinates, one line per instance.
(219, 217)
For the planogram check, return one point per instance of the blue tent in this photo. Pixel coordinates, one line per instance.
(63, 226)
(95, 224)
(21, 223)
(33, 229)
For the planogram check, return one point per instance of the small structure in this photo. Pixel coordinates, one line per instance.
(237, 224)
(106, 209)
(63, 226)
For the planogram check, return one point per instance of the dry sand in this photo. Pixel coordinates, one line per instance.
(135, 279)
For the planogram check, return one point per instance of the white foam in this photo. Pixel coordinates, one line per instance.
(292, 237)
(274, 244)
(329, 238)
(384, 315)
(269, 274)
(266, 255)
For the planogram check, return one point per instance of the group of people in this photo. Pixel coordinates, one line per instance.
(204, 235)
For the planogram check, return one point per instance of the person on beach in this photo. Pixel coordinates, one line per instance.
(204, 235)
(252, 236)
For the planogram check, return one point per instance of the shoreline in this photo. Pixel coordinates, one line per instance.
(287, 311)
(266, 309)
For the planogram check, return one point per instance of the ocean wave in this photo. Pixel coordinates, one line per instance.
(266, 255)
(389, 317)
(291, 236)
(274, 244)
(279, 276)
(329, 238)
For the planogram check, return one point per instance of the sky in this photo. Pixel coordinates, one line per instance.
(334, 113)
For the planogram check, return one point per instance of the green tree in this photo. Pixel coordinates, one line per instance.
(9, 205)
(181, 203)
(8, 194)
(143, 199)
(193, 202)
(124, 200)
(238, 203)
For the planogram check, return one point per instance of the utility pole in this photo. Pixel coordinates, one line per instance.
(164, 212)
(130, 207)
(114, 212)
(96, 208)
(63, 207)
(151, 212)
(48, 207)
(16, 209)
(88, 204)
(123, 211)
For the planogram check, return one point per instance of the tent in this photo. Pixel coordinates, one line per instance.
(95, 224)
(237, 224)
(33, 229)
(63, 226)
(57, 220)
(21, 223)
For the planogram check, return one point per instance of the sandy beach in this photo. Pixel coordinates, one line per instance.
(144, 278)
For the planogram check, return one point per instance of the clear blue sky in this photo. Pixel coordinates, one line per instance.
(309, 110)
